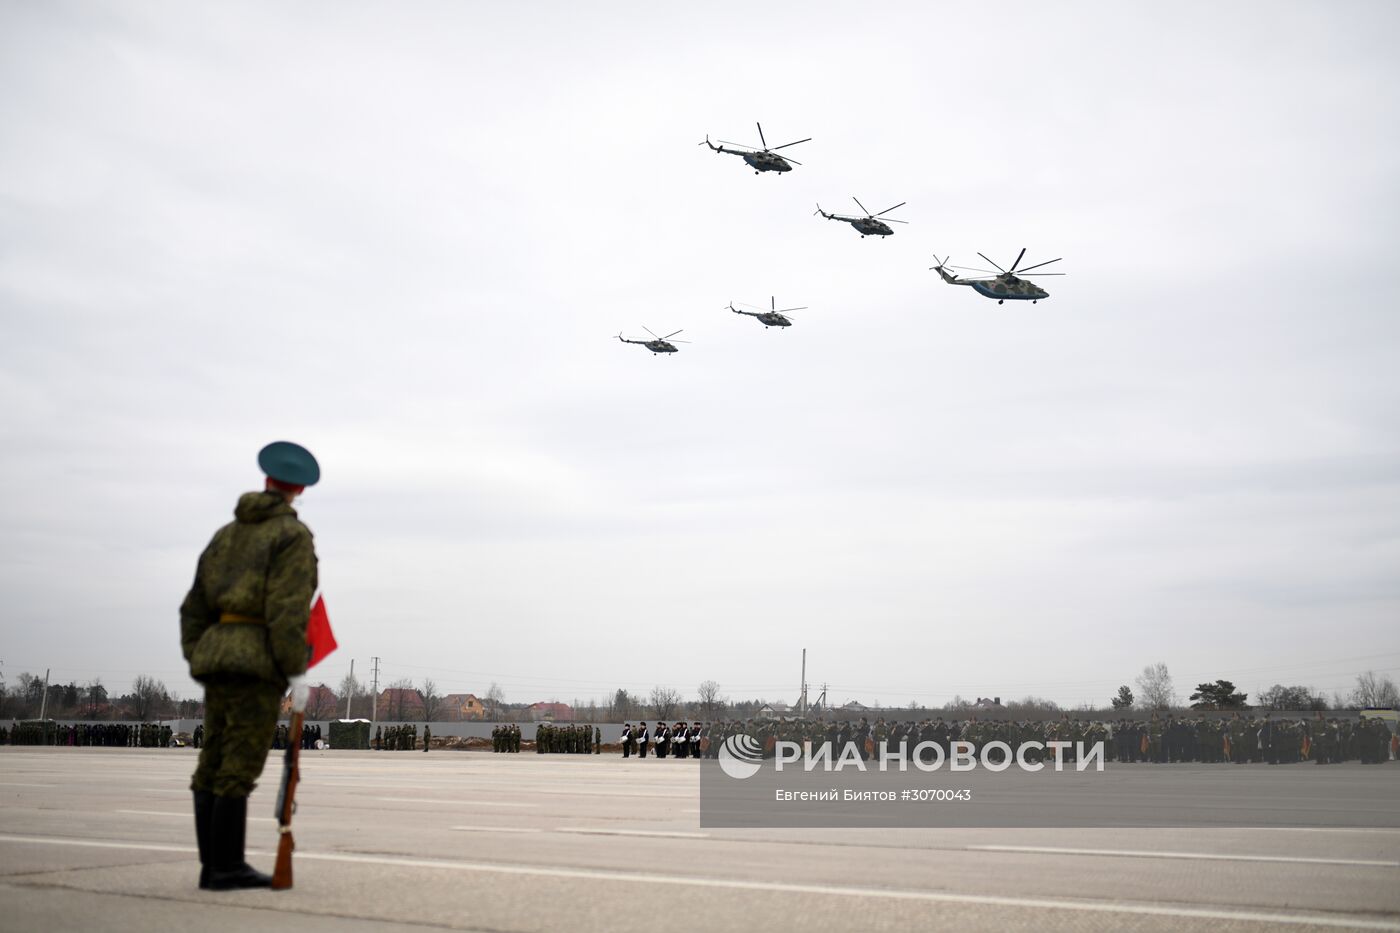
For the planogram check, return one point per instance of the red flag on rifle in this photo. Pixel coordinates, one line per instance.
(318, 633)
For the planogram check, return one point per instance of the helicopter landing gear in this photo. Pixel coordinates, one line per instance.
(1001, 301)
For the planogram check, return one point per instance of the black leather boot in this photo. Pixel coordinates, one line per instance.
(229, 871)
(203, 818)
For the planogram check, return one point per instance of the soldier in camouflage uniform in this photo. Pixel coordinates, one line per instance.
(243, 632)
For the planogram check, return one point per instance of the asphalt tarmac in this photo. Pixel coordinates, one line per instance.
(102, 839)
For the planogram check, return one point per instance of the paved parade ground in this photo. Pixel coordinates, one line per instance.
(102, 840)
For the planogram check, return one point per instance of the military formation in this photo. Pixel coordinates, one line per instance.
(681, 740)
(402, 738)
(1241, 738)
(505, 738)
(99, 734)
(571, 739)
(281, 737)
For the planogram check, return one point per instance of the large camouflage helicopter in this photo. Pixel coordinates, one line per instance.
(657, 344)
(869, 225)
(770, 318)
(760, 160)
(1008, 284)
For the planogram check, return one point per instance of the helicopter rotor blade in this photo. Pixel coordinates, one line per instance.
(891, 220)
(1036, 275)
(785, 145)
(1019, 257)
(790, 159)
(672, 334)
(973, 269)
(786, 310)
(760, 134)
(679, 341)
(888, 209)
(725, 142)
(650, 331)
(984, 256)
(1039, 264)
(862, 206)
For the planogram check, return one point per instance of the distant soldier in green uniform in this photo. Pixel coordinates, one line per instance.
(243, 631)
(427, 737)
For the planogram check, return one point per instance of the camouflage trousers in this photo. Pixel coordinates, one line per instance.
(240, 717)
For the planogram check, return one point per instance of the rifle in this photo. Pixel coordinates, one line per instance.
(287, 792)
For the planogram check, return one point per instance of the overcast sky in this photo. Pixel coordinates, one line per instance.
(405, 236)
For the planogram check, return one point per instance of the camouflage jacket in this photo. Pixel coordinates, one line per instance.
(261, 566)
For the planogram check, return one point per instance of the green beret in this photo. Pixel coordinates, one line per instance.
(289, 463)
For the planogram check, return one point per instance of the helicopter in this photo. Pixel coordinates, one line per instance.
(1007, 284)
(770, 318)
(760, 160)
(868, 225)
(658, 344)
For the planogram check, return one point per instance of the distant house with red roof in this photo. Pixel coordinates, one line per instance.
(321, 703)
(400, 703)
(551, 712)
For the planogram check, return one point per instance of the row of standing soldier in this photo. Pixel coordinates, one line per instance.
(1241, 738)
(103, 734)
(403, 738)
(505, 738)
(679, 741)
(572, 739)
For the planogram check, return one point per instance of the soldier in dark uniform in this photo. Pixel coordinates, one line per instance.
(243, 632)
(680, 741)
(663, 740)
(642, 739)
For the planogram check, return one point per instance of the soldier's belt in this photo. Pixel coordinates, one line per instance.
(236, 617)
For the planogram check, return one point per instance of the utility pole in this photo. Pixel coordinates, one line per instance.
(802, 697)
(350, 694)
(374, 695)
(44, 703)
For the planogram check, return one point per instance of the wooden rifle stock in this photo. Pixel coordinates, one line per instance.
(286, 805)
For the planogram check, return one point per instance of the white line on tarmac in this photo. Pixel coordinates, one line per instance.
(465, 803)
(664, 833)
(497, 829)
(1323, 829)
(1202, 856)
(185, 816)
(18, 784)
(986, 900)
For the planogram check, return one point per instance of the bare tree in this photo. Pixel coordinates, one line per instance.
(1373, 691)
(29, 691)
(353, 690)
(707, 695)
(96, 697)
(432, 700)
(664, 701)
(494, 696)
(147, 696)
(1296, 697)
(1155, 686)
